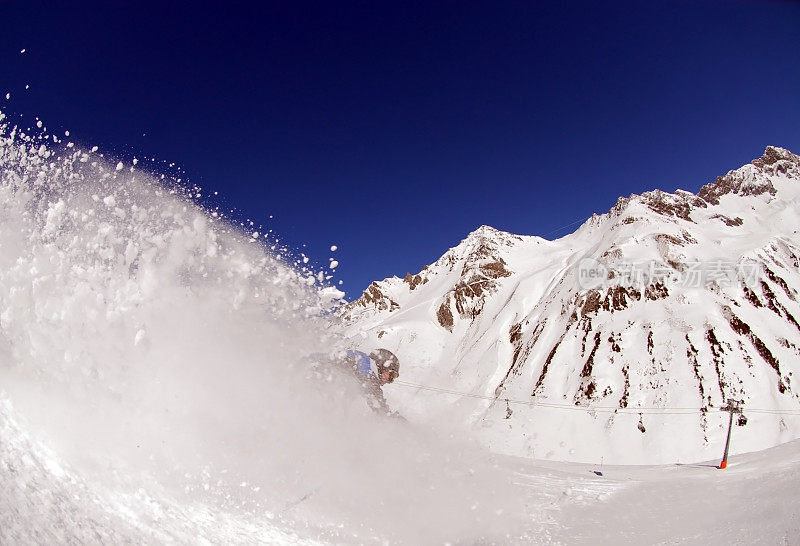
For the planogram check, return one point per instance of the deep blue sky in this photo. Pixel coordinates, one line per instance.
(392, 129)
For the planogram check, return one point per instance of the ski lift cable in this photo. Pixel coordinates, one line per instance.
(651, 410)
(536, 402)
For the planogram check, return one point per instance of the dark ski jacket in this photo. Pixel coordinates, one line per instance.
(366, 371)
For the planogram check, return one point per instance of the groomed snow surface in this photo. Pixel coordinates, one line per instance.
(753, 501)
(153, 390)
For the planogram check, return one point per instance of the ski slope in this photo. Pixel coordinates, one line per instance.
(753, 501)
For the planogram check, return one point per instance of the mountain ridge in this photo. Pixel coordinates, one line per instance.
(510, 316)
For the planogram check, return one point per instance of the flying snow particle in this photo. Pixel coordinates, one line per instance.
(120, 166)
(66, 133)
(8, 96)
(135, 161)
(255, 235)
(334, 264)
(22, 50)
(39, 124)
(334, 248)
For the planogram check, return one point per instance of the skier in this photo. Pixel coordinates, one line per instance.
(378, 368)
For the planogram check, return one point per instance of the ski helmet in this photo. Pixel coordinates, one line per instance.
(385, 360)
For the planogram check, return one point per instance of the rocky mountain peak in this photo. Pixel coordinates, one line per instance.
(486, 242)
(754, 178)
(774, 155)
(751, 179)
(679, 204)
(484, 231)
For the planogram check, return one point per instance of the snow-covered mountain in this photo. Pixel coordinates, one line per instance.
(620, 341)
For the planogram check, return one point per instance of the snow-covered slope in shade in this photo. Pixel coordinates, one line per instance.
(620, 341)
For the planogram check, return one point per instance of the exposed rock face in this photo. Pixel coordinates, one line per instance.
(755, 180)
(414, 281)
(476, 284)
(667, 301)
(679, 205)
(477, 265)
(374, 299)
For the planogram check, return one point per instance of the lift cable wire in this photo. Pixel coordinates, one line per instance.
(599, 409)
